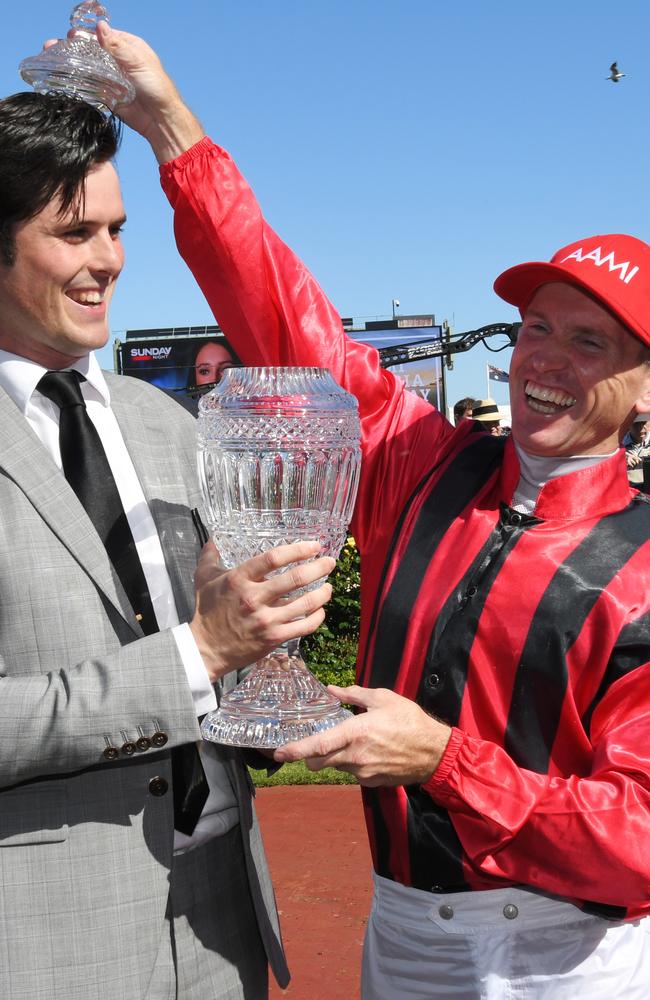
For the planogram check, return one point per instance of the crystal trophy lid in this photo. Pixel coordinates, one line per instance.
(78, 66)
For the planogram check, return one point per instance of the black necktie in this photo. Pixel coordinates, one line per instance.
(86, 468)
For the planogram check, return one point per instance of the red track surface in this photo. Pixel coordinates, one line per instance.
(316, 843)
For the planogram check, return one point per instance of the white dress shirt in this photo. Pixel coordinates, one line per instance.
(19, 378)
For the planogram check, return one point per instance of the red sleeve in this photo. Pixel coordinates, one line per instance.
(583, 837)
(273, 311)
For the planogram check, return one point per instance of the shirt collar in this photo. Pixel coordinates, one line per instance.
(591, 490)
(19, 377)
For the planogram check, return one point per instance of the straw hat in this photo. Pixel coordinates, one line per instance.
(486, 411)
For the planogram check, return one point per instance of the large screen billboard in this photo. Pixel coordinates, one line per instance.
(424, 376)
(187, 362)
(181, 364)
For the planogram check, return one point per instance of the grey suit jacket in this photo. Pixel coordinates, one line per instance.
(85, 847)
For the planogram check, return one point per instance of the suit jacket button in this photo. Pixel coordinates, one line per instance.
(159, 739)
(158, 786)
(128, 748)
(144, 743)
(110, 753)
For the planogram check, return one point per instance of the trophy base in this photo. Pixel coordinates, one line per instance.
(279, 701)
(264, 732)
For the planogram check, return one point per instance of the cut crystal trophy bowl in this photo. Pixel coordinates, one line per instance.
(78, 66)
(279, 462)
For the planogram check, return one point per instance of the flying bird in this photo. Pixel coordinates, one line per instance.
(614, 73)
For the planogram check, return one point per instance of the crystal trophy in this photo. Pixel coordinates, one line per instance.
(279, 462)
(78, 66)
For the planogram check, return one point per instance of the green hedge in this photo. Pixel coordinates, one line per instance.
(331, 652)
(299, 774)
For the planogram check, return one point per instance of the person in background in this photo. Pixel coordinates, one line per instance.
(637, 452)
(487, 413)
(463, 409)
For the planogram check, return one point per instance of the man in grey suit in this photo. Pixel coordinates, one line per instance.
(101, 898)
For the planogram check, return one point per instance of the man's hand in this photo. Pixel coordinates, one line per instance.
(633, 459)
(158, 112)
(394, 742)
(242, 614)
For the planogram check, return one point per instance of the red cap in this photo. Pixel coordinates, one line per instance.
(615, 269)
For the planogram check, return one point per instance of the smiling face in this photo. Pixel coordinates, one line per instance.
(211, 362)
(54, 298)
(577, 376)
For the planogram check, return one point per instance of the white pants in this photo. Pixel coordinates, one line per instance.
(502, 944)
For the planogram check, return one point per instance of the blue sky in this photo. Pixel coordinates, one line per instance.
(407, 150)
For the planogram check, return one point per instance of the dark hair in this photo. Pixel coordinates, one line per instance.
(48, 144)
(468, 403)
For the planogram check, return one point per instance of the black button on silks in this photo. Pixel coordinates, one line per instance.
(432, 682)
(159, 739)
(158, 786)
(110, 753)
(128, 748)
(144, 743)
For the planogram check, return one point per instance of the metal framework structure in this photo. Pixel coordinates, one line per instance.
(449, 344)
(445, 346)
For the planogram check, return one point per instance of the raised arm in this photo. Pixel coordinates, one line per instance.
(158, 112)
(267, 302)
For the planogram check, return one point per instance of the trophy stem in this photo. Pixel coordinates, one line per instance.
(278, 701)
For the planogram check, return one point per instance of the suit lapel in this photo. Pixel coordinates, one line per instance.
(27, 463)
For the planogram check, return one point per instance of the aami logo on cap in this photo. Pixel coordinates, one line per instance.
(596, 255)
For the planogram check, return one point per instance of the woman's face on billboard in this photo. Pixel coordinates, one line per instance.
(211, 362)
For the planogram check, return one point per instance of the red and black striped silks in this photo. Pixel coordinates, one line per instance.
(530, 636)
